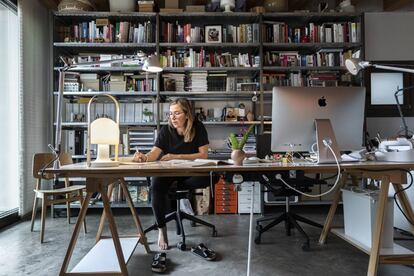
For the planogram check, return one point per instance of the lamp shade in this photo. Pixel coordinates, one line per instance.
(227, 5)
(354, 65)
(152, 64)
(104, 131)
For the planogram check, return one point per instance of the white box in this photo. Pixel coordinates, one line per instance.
(245, 198)
(360, 211)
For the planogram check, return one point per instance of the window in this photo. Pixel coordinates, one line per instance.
(9, 62)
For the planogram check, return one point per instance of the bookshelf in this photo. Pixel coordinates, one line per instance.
(313, 48)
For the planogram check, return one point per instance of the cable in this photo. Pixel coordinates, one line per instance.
(327, 144)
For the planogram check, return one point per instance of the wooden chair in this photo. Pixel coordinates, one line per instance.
(53, 196)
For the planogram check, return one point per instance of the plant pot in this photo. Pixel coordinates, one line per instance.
(238, 156)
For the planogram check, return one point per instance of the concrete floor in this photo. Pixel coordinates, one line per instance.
(22, 254)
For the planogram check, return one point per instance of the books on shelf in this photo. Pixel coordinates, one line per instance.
(107, 30)
(328, 32)
(191, 58)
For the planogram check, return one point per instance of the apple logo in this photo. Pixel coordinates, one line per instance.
(322, 102)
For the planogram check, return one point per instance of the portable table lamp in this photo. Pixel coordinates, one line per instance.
(103, 132)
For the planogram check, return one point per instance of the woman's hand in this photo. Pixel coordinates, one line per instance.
(139, 157)
(169, 156)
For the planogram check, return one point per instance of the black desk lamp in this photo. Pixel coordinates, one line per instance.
(354, 65)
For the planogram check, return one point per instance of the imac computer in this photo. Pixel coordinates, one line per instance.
(295, 109)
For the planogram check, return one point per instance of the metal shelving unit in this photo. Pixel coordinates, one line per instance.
(201, 19)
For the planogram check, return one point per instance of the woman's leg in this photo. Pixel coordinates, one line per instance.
(159, 192)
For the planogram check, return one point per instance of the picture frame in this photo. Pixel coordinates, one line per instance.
(213, 34)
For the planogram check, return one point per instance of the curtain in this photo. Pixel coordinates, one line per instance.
(35, 95)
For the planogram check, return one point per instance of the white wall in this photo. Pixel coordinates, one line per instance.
(35, 106)
(9, 187)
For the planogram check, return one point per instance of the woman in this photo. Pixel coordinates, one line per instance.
(183, 138)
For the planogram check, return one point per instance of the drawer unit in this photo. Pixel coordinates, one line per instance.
(225, 198)
(245, 198)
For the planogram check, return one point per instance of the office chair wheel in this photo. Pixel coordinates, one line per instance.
(193, 224)
(258, 239)
(181, 246)
(306, 246)
(214, 233)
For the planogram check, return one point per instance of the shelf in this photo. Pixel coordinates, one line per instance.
(213, 93)
(305, 68)
(103, 45)
(394, 251)
(213, 15)
(313, 16)
(209, 45)
(184, 69)
(105, 69)
(304, 202)
(99, 205)
(102, 257)
(105, 14)
(85, 124)
(238, 123)
(113, 93)
(310, 46)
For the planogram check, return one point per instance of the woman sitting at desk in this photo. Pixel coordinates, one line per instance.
(183, 138)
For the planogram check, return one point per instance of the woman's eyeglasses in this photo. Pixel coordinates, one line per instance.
(175, 114)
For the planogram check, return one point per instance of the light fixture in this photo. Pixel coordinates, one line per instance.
(152, 64)
(227, 5)
(354, 65)
(151, 67)
(103, 132)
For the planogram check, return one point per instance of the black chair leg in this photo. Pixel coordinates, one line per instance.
(305, 220)
(306, 244)
(199, 221)
(181, 245)
(168, 218)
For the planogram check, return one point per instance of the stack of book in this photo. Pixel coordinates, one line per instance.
(197, 81)
(145, 6)
(173, 82)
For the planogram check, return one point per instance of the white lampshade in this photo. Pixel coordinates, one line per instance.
(227, 5)
(104, 131)
(152, 64)
(354, 65)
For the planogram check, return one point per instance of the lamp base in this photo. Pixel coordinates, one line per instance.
(104, 164)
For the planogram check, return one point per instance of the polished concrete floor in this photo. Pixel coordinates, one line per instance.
(22, 254)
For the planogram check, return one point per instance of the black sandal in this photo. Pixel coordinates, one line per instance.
(204, 252)
(159, 262)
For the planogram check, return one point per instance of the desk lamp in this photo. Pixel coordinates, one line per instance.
(354, 65)
(153, 66)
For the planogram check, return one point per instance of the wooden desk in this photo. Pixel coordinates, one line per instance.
(98, 178)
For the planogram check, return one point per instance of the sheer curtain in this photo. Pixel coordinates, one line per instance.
(9, 188)
(35, 97)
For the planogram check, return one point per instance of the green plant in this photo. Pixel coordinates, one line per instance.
(147, 112)
(239, 145)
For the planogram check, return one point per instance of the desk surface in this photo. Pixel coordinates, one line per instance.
(167, 169)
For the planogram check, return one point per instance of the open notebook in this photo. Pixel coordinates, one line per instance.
(198, 162)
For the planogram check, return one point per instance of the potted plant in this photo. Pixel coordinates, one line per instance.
(237, 154)
(147, 115)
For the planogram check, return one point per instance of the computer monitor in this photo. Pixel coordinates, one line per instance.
(294, 110)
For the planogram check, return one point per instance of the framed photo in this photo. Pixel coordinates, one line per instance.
(213, 34)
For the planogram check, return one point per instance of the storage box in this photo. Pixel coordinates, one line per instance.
(121, 5)
(117, 85)
(90, 85)
(360, 211)
(245, 198)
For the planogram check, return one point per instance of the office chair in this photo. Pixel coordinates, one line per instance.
(49, 197)
(277, 188)
(181, 191)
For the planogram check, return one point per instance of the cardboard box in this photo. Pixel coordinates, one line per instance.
(172, 4)
(195, 8)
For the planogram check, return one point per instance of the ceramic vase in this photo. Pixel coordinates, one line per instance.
(238, 156)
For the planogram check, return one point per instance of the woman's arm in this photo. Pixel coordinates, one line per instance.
(152, 155)
(201, 154)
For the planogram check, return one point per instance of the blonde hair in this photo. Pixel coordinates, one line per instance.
(185, 105)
